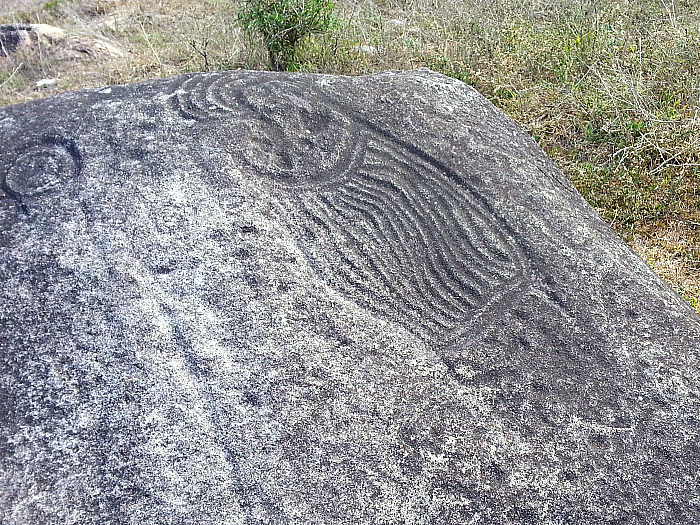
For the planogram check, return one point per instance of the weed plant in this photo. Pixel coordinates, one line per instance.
(609, 89)
(284, 24)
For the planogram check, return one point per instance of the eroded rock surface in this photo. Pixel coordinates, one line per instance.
(35, 39)
(240, 298)
(16, 36)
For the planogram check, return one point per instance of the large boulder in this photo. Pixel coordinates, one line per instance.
(241, 298)
(17, 36)
(40, 39)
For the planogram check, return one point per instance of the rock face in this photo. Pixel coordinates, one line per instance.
(15, 36)
(41, 38)
(243, 298)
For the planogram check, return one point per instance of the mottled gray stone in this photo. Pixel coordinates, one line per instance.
(15, 36)
(246, 298)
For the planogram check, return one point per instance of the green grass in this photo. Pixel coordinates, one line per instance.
(51, 4)
(610, 90)
(283, 25)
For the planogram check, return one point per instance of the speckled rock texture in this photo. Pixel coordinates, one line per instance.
(271, 298)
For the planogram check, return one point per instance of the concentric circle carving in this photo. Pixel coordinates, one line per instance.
(39, 168)
(281, 129)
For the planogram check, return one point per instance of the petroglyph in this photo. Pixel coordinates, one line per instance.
(39, 167)
(411, 240)
(42, 166)
(284, 132)
(248, 297)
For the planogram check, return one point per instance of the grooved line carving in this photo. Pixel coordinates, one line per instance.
(40, 167)
(380, 220)
(411, 243)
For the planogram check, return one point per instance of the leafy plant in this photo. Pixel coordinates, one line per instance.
(283, 24)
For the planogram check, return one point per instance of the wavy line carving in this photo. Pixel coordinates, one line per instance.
(381, 221)
(411, 243)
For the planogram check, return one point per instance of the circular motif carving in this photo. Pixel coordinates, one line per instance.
(282, 129)
(294, 143)
(42, 167)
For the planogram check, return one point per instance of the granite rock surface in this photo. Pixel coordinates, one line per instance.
(272, 298)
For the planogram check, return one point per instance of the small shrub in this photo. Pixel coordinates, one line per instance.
(283, 24)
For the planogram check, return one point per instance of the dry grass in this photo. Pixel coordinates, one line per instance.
(160, 38)
(611, 90)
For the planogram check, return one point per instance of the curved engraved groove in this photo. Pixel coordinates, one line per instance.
(352, 279)
(195, 98)
(41, 166)
(383, 222)
(211, 96)
(480, 217)
(406, 239)
(437, 239)
(400, 223)
(280, 124)
(417, 222)
(395, 244)
(401, 289)
(388, 236)
(379, 271)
